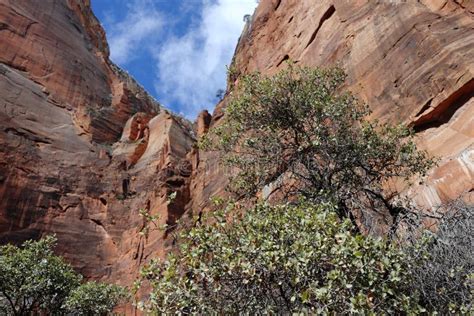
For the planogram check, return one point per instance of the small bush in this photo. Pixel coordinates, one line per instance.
(443, 262)
(279, 259)
(94, 298)
(33, 280)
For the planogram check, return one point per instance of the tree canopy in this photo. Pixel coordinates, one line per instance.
(300, 133)
(33, 280)
(279, 259)
(301, 250)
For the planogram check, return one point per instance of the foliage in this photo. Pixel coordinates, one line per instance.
(94, 298)
(33, 280)
(443, 262)
(220, 94)
(279, 259)
(297, 131)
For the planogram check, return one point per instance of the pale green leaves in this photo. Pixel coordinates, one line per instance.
(283, 259)
(299, 125)
(93, 298)
(33, 280)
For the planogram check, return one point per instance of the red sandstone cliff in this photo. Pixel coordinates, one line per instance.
(411, 61)
(83, 148)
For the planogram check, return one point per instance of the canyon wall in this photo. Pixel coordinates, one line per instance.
(411, 61)
(84, 149)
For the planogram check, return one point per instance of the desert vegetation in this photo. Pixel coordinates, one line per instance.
(315, 222)
(311, 173)
(34, 281)
(280, 259)
(299, 133)
(302, 258)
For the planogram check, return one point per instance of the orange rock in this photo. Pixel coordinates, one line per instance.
(83, 147)
(411, 61)
(203, 122)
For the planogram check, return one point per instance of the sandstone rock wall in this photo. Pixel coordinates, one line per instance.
(82, 146)
(411, 61)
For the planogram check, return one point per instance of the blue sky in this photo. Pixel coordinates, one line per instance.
(177, 49)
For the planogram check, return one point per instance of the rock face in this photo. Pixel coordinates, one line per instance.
(411, 61)
(84, 150)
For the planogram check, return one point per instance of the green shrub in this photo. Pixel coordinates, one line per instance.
(94, 298)
(279, 259)
(33, 280)
(298, 132)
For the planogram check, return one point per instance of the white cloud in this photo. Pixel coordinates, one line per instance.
(191, 68)
(141, 25)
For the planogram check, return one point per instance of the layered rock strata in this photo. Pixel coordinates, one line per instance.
(411, 61)
(85, 152)
(83, 148)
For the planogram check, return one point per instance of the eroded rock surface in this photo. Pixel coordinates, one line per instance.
(411, 61)
(83, 148)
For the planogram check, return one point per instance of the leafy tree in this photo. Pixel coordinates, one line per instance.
(298, 132)
(220, 94)
(279, 259)
(94, 298)
(33, 280)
